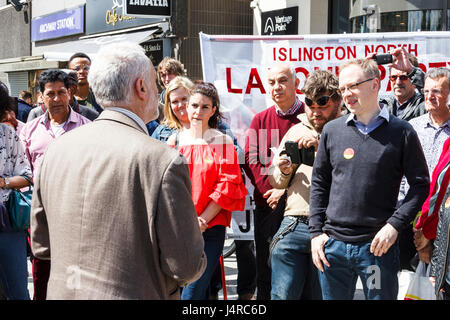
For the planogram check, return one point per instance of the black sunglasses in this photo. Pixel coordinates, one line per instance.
(323, 100)
(402, 77)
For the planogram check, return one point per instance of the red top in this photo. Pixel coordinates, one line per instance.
(428, 221)
(215, 175)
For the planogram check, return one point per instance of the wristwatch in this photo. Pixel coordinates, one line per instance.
(6, 186)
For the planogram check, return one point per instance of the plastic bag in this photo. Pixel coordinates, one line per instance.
(420, 287)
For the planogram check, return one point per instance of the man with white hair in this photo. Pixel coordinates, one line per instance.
(266, 131)
(118, 210)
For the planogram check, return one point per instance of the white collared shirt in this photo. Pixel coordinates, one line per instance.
(131, 115)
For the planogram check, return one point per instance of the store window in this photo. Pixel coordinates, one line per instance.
(403, 21)
(448, 19)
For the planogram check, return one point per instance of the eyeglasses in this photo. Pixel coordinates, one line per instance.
(403, 77)
(78, 68)
(323, 100)
(353, 86)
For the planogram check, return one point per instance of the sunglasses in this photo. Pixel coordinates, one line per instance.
(323, 100)
(402, 77)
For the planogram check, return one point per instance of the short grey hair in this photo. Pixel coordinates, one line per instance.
(114, 71)
(434, 73)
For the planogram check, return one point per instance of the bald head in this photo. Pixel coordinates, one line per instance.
(282, 85)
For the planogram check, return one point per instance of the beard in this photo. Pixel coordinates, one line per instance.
(319, 126)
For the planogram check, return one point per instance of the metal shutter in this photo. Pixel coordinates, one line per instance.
(18, 81)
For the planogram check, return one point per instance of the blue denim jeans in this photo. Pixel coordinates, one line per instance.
(214, 239)
(350, 260)
(294, 275)
(13, 265)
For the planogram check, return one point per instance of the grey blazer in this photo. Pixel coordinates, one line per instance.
(112, 208)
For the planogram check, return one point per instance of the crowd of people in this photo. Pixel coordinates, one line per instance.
(134, 201)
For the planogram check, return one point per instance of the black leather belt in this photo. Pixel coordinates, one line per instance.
(302, 219)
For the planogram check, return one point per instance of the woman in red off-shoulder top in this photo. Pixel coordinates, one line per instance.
(217, 185)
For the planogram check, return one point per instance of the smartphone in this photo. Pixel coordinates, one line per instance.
(307, 156)
(293, 152)
(383, 58)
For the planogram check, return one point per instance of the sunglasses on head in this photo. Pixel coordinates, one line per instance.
(323, 100)
(402, 77)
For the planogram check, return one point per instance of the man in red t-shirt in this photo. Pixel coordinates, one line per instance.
(266, 130)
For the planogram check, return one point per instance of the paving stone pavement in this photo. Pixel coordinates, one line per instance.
(231, 281)
(230, 266)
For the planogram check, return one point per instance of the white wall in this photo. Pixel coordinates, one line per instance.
(312, 14)
(44, 7)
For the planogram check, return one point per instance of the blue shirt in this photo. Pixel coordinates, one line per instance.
(374, 123)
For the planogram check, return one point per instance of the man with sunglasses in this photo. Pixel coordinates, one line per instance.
(294, 276)
(406, 80)
(361, 159)
(81, 64)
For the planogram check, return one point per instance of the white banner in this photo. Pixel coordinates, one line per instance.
(238, 65)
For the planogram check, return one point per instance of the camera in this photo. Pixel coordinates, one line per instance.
(383, 58)
(299, 156)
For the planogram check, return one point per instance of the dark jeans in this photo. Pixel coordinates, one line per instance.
(13, 265)
(350, 260)
(446, 294)
(407, 248)
(267, 222)
(246, 265)
(214, 238)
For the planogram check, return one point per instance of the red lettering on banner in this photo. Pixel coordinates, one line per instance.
(305, 73)
(290, 55)
(413, 50)
(351, 54)
(368, 49)
(423, 67)
(437, 64)
(231, 90)
(328, 52)
(318, 56)
(254, 75)
(337, 53)
(391, 47)
(382, 72)
(383, 48)
(283, 53)
(307, 54)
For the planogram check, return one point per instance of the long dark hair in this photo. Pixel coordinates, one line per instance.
(209, 90)
(5, 100)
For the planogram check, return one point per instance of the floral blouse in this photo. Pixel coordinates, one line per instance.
(13, 161)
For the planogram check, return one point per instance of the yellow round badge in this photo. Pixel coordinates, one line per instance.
(349, 153)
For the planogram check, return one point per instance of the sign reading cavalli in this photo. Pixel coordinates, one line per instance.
(147, 8)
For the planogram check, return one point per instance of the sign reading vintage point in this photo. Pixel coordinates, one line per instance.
(280, 22)
(147, 8)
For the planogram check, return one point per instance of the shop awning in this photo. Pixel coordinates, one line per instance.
(90, 46)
